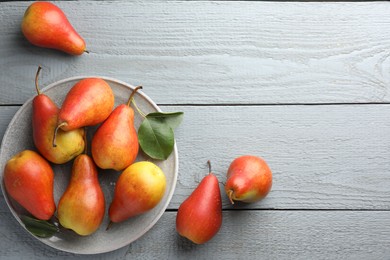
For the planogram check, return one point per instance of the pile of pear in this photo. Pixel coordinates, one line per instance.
(59, 136)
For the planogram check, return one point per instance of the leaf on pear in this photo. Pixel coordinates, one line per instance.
(173, 119)
(39, 228)
(156, 138)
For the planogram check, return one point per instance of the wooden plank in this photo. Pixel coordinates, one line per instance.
(322, 157)
(327, 157)
(6, 114)
(243, 235)
(190, 52)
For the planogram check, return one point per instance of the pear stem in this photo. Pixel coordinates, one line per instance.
(230, 195)
(138, 109)
(86, 51)
(132, 94)
(132, 100)
(55, 133)
(36, 79)
(209, 164)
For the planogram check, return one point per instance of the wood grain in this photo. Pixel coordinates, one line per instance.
(322, 157)
(327, 157)
(276, 235)
(305, 85)
(6, 114)
(214, 52)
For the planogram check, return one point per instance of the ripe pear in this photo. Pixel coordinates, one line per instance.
(249, 179)
(89, 102)
(44, 122)
(115, 143)
(45, 25)
(139, 188)
(82, 206)
(199, 217)
(29, 180)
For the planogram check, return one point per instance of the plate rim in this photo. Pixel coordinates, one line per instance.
(169, 195)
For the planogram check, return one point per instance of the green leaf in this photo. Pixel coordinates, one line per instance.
(39, 228)
(173, 119)
(156, 137)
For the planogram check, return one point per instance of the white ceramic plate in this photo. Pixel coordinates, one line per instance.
(18, 137)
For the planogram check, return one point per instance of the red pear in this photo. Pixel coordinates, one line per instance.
(199, 217)
(249, 179)
(46, 25)
(29, 179)
(115, 143)
(89, 102)
(82, 206)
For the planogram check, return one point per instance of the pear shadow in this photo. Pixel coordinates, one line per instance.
(185, 245)
(238, 205)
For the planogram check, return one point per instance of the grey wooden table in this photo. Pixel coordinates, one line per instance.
(305, 85)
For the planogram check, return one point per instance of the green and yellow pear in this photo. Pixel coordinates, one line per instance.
(140, 187)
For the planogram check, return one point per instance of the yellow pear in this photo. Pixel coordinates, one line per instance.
(140, 187)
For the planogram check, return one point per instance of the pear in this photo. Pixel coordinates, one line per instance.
(81, 208)
(199, 217)
(44, 121)
(89, 102)
(139, 188)
(249, 179)
(45, 25)
(115, 143)
(29, 179)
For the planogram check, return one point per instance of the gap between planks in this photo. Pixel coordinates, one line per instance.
(251, 104)
(292, 209)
